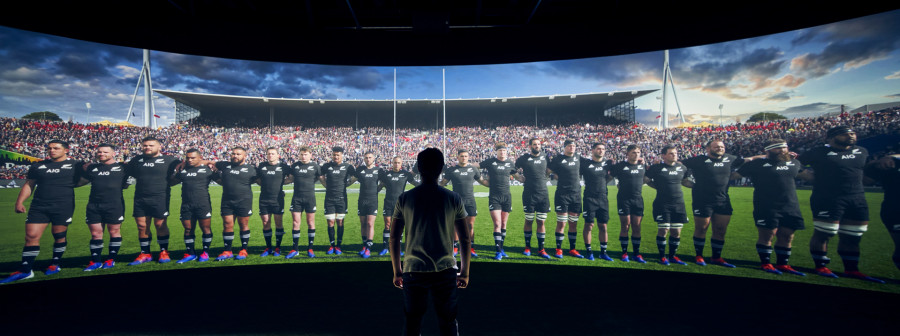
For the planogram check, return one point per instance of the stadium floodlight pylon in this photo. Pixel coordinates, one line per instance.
(149, 108)
(668, 80)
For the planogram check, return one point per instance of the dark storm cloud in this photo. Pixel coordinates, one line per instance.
(609, 70)
(814, 107)
(893, 96)
(239, 77)
(849, 44)
(779, 97)
(82, 66)
(711, 72)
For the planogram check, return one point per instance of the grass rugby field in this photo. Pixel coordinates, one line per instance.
(739, 248)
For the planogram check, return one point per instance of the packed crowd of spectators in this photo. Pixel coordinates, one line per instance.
(29, 137)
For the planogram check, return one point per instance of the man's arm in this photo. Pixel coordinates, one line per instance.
(462, 280)
(394, 245)
(24, 193)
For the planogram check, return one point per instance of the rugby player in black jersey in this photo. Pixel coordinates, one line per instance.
(630, 174)
(535, 197)
(887, 171)
(463, 177)
(776, 210)
(236, 177)
(336, 177)
(272, 175)
(53, 182)
(838, 201)
(106, 206)
(152, 171)
(196, 208)
(304, 174)
(499, 171)
(367, 205)
(595, 171)
(567, 198)
(668, 207)
(711, 203)
(394, 183)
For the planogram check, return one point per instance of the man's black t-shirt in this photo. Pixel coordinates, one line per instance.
(337, 178)
(667, 180)
(774, 189)
(55, 182)
(368, 182)
(890, 181)
(837, 172)
(463, 180)
(195, 184)
(395, 183)
(534, 169)
(596, 175)
(107, 182)
(271, 180)
(567, 170)
(152, 174)
(305, 177)
(498, 173)
(236, 180)
(631, 179)
(711, 176)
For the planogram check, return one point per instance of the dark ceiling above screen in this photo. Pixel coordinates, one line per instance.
(398, 33)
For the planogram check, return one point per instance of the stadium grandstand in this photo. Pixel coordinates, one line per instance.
(607, 108)
(24, 140)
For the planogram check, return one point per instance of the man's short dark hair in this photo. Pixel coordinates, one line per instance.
(431, 162)
(710, 142)
(65, 144)
(631, 148)
(460, 151)
(369, 152)
(241, 148)
(666, 149)
(192, 150)
(150, 138)
(533, 140)
(594, 145)
(113, 147)
(568, 142)
(337, 149)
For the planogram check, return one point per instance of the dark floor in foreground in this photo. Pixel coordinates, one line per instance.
(504, 299)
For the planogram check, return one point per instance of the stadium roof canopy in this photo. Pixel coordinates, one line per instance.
(413, 113)
(421, 32)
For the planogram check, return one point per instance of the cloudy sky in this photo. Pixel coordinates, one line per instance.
(813, 70)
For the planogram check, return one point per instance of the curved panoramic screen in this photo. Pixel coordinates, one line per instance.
(117, 160)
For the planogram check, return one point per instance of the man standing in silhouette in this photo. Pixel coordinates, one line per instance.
(430, 213)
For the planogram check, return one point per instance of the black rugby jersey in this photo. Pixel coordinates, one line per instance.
(711, 176)
(774, 188)
(271, 180)
(368, 182)
(55, 182)
(534, 168)
(305, 177)
(337, 178)
(395, 183)
(498, 173)
(236, 180)
(667, 180)
(463, 179)
(837, 172)
(152, 174)
(195, 183)
(107, 182)
(567, 170)
(631, 179)
(596, 174)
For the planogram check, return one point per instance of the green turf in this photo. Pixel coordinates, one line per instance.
(739, 247)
